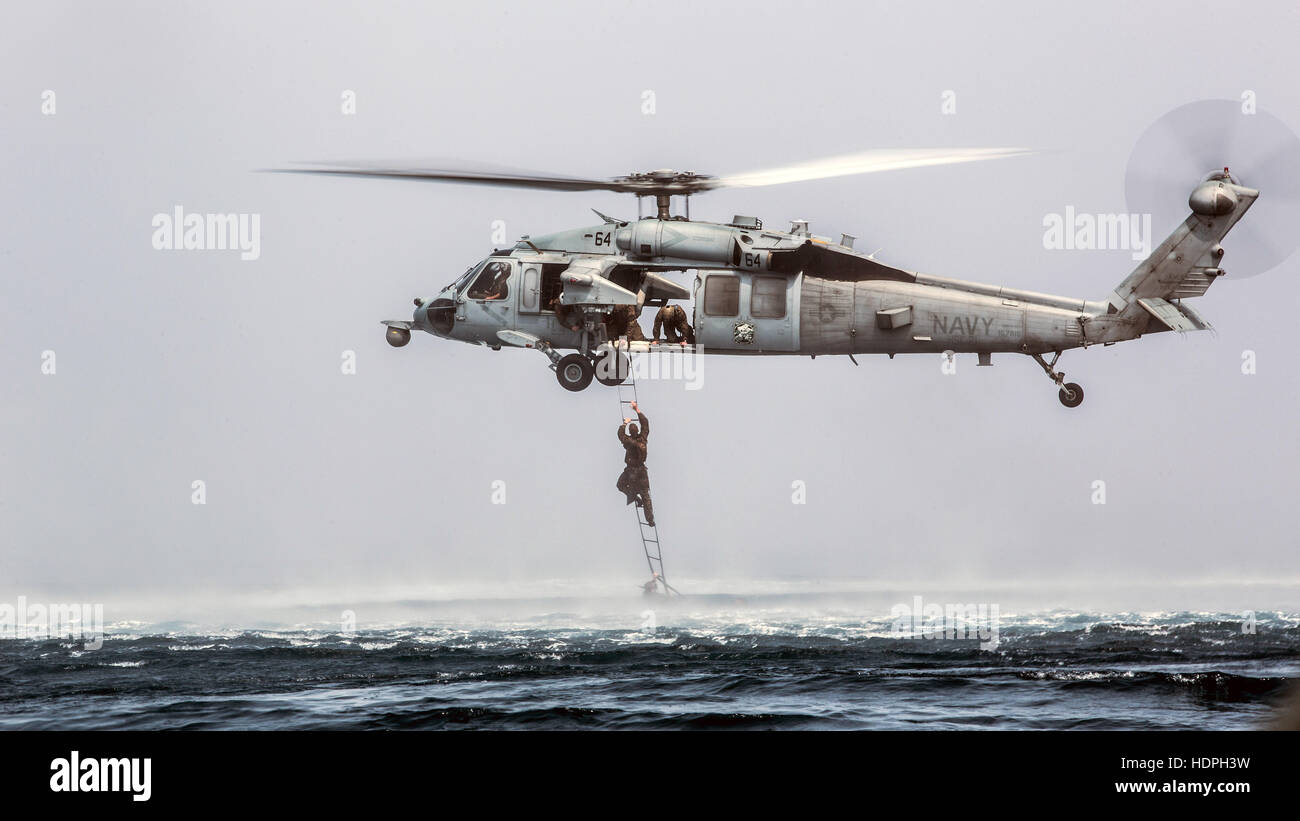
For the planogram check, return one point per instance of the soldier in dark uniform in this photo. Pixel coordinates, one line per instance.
(634, 481)
(565, 314)
(622, 322)
(672, 318)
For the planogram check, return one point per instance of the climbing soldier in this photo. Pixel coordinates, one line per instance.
(634, 481)
(622, 322)
(672, 318)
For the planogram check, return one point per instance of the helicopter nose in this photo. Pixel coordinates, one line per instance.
(438, 315)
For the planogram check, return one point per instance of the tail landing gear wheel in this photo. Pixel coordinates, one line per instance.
(574, 372)
(612, 368)
(1071, 395)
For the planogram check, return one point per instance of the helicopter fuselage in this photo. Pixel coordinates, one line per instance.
(758, 292)
(764, 292)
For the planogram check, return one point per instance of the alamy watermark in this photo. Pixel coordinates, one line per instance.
(126, 775)
(946, 621)
(663, 361)
(1073, 231)
(179, 231)
(79, 622)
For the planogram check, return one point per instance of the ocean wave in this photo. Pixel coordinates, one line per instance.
(694, 668)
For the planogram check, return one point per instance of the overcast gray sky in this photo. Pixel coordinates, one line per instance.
(177, 366)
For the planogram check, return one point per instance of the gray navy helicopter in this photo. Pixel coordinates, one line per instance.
(759, 291)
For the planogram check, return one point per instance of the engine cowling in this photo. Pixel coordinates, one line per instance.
(677, 239)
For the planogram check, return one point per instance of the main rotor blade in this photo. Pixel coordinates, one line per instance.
(509, 179)
(866, 162)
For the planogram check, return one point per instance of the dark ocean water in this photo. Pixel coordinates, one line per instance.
(696, 668)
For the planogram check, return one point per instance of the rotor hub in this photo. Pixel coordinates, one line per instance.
(664, 181)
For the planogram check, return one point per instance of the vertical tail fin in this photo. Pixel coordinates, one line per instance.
(1187, 262)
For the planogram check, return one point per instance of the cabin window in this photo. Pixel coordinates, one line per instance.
(722, 295)
(491, 284)
(530, 288)
(767, 300)
(551, 285)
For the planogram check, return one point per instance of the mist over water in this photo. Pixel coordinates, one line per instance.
(490, 601)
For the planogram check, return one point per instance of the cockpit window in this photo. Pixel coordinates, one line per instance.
(465, 277)
(491, 284)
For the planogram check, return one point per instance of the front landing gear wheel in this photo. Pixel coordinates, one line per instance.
(574, 372)
(1071, 395)
(612, 368)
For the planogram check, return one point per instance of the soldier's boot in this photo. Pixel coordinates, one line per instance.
(647, 508)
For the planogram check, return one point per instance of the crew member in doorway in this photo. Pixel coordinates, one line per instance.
(672, 319)
(622, 322)
(566, 315)
(634, 482)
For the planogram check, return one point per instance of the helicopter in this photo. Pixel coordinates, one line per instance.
(759, 291)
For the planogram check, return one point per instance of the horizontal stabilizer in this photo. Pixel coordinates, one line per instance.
(1174, 316)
